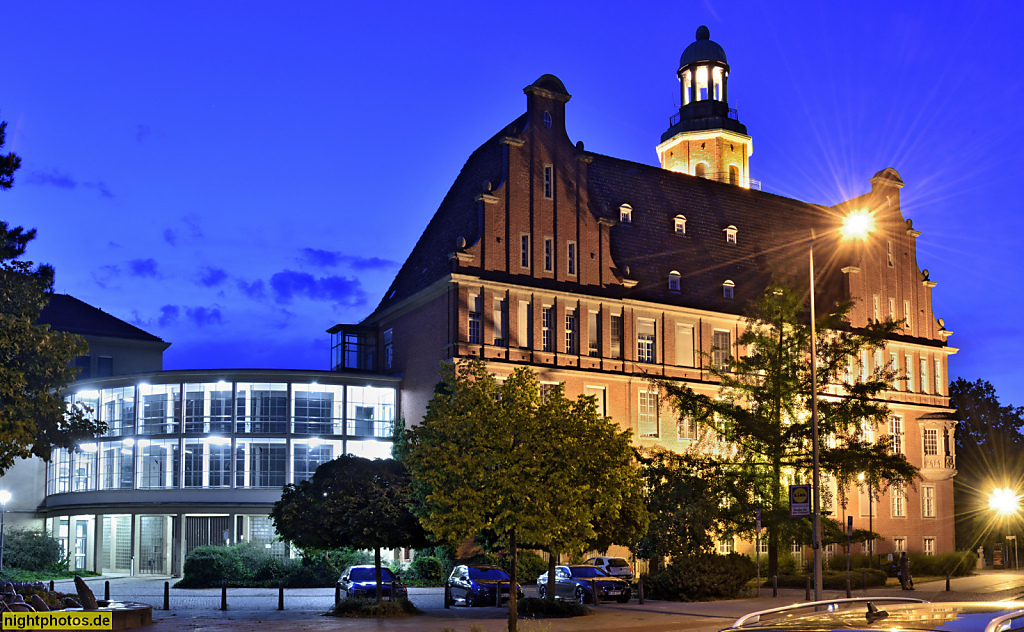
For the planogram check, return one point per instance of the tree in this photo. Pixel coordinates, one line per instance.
(759, 418)
(350, 502)
(500, 458)
(990, 453)
(35, 363)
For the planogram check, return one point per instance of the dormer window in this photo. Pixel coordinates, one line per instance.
(547, 120)
(729, 290)
(680, 225)
(730, 234)
(625, 214)
(673, 281)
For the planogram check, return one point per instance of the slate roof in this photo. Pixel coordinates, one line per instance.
(67, 313)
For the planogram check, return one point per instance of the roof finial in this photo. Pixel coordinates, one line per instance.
(703, 32)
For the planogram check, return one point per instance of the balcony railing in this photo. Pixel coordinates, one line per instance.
(674, 119)
(725, 176)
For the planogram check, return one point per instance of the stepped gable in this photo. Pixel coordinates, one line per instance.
(67, 313)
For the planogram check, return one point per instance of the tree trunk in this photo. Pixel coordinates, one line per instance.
(513, 614)
(552, 562)
(376, 570)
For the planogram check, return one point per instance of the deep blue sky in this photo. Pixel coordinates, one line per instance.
(237, 178)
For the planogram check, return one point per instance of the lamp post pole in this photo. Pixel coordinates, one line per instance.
(816, 517)
(4, 497)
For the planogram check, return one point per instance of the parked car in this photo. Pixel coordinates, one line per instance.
(475, 585)
(614, 566)
(360, 581)
(577, 582)
(891, 614)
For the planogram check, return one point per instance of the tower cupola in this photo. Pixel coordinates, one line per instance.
(705, 137)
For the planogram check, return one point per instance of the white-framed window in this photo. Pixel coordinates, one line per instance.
(547, 328)
(931, 442)
(673, 281)
(906, 314)
(730, 234)
(908, 365)
(648, 414)
(938, 376)
(679, 225)
(924, 374)
(598, 393)
(729, 289)
(525, 324)
(879, 361)
(726, 545)
(625, 214)
(896, 435)
(684, 344)
(524, 250)
(389, 349)
(687, 428)
(763, 545)
(895, 367)
(721, 349)
(570, 331)
(594, 334)
(892, 309)
(616, 335)
(549, 254)
(927, 501)
(875, 307)
(899, 544)
(890, 255)
(547, 120)
(898, 496)
(570, 258)
(928, 546)
(475, 318)
(548, 181)
(645, 339)
(500, 322)
(862, 365)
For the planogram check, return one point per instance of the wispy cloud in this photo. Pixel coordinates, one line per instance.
(212, 277)
(170, 237)
(290, 284)
(105, 275)
(203, 316)
(143, 267)
(168, 315)
(54, 179)
(255, 290)
(329, 259)
(100, 187)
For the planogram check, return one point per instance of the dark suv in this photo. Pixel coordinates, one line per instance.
(476, 585)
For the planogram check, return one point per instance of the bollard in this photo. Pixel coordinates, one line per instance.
(337, 594)
(593, 587)
(106, 590)
(167, 596)
(775, 585)
(848, 594)
(51, 585)
(497, 595)
(640, 590)
(947, 581)
(224, 594)
(280, 595)
(864, 580)
(391, 597)
(447, 594)
(807, 590)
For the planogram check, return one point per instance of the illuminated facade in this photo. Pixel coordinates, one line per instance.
(603, 274)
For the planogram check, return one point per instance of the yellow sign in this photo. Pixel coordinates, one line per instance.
(58, 620)
(799, 501)
(799, 495)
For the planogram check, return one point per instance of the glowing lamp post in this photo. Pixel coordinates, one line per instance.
(4, 497)
(1006, 504)
(856, 225)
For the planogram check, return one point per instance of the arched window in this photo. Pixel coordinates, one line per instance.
(700, 169)
(673, 281)
(729, 289)
(734, 174)
(625, 214)
(680, 225)
(730, 234)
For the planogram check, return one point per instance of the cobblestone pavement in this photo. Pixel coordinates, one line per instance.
(256, 608)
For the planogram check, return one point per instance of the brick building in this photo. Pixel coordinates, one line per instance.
(603, 273)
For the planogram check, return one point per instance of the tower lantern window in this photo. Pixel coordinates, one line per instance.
(702, 83)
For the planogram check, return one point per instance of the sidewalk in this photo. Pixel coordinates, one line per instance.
(252, 609)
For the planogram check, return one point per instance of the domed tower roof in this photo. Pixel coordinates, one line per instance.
(704, 49)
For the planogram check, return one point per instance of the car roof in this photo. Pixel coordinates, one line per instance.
(852, 614)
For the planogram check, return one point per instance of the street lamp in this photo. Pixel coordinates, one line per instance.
(4, 497)
(856, 225)
(1005, 503)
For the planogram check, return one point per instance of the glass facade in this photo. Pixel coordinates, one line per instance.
(222, 434)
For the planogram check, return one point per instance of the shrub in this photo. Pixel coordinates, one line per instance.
(530, 566)
(426, 570)
(957, 564)
(369, 608)
(32, 550)
(835, 580)
(444, 554)
(701, 577)
(533, 607)
(207, 566)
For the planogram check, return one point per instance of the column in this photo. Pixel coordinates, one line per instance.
(97, 552)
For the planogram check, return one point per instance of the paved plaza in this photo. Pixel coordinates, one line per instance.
(256, 608)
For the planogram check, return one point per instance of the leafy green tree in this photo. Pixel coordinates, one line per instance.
(500, 458)
(760, 422)
(35, 363)
(989, 454)
(351, 502)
